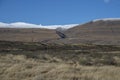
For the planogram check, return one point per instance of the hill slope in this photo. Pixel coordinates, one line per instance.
(97, 31)
(27, 34)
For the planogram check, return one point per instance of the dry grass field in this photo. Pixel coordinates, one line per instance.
(18, 67)
(38, 61)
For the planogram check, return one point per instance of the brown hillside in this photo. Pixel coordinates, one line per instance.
(26, 35)
(98, 32)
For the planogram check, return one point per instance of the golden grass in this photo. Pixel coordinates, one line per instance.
(19, 67)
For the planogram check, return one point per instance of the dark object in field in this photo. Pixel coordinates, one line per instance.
(62, 35)
(60, 32)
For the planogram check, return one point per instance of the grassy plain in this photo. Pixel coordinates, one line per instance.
(41, 61)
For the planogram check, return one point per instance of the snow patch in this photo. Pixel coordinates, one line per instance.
(28, 25)
(107, 19)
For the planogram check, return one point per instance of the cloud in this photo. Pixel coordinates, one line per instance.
(28, 25)
(106, 1)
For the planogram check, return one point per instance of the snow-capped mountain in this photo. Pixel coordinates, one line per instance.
(28, 25)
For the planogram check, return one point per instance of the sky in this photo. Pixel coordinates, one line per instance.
(57, 12)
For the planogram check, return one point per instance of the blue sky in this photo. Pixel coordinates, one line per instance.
(53, 12)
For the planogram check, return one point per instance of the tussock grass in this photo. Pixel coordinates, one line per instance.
(18, 67)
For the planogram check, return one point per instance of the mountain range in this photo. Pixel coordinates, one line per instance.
(99, 31)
